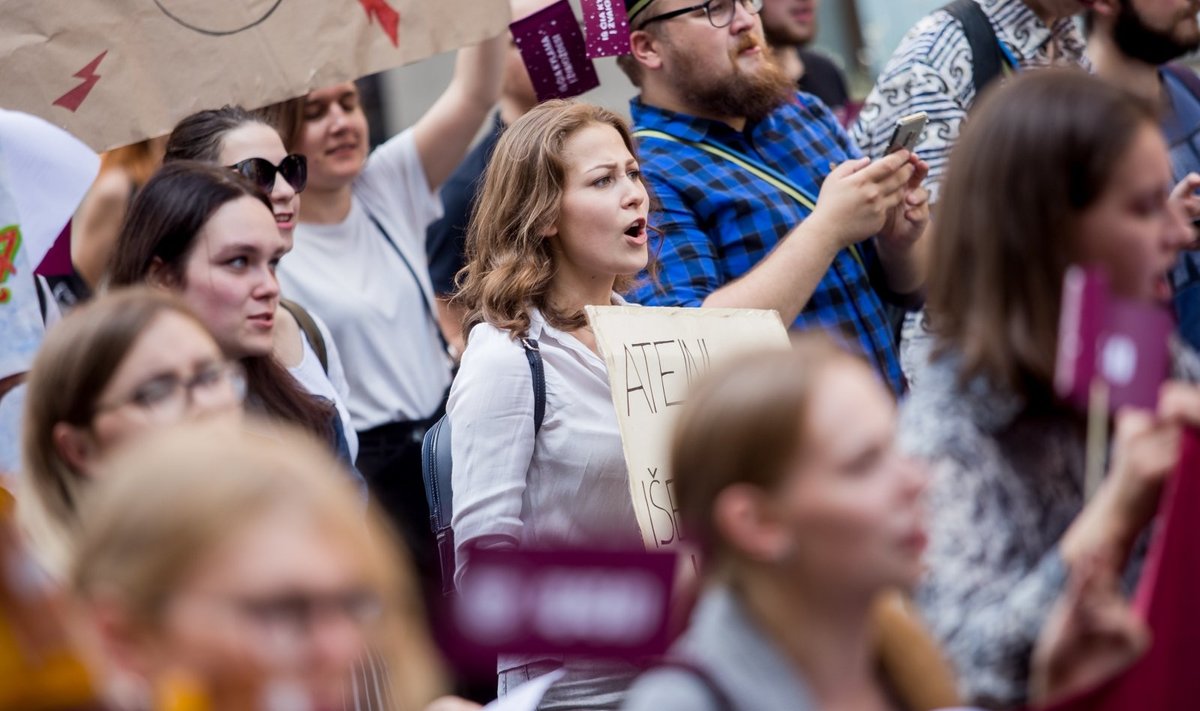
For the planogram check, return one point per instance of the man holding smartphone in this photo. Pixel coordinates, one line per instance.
(764, 200)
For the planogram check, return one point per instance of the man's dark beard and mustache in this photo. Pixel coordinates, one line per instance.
(1146, 44)
(741, 94)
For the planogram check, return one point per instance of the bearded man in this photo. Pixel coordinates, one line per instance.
(764, 200)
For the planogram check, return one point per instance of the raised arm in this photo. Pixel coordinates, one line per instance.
(445, 132)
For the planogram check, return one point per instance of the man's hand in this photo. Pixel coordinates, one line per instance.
(906, 222)
(859, 195)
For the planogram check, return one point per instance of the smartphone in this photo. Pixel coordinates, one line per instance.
(908, 131)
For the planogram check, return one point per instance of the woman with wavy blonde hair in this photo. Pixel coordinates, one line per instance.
(214, 560)
(560, 224)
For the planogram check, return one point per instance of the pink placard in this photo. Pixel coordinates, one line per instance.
(607, 28)
(553, 50)
(1121, 342)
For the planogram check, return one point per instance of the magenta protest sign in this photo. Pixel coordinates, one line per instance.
(553, 50)
(607, 28)
(1120, 342)
(596, 603)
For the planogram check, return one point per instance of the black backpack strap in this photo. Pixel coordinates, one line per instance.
(539, 381)
(720, 698)
(437, 466)
(311, 332)
(987, 61)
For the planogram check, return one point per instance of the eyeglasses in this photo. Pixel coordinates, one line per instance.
(167, 397)
(720, 12)
(293, 168)
(294, 613)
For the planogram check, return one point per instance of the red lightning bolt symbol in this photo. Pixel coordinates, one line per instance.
(388, 18)
(73, 98)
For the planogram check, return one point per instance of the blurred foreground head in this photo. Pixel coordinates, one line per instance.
(244, 564)
(787, 471)
(1054, 168)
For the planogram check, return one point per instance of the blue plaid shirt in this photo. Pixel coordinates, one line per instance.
(718, 220)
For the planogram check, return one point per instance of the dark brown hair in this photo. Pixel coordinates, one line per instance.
(162, 224)
(742, 424)
(201, 135)
(1037, 152)
(509, 263)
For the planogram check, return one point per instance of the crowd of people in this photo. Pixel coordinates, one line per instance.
(221, 440)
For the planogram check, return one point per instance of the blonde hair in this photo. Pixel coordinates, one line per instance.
(509, 263)
(70, 372)
(175, 495)
(743, 424)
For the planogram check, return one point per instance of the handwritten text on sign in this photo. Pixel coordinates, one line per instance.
(653, 356)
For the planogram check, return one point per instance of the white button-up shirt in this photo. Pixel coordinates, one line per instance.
(569, 485)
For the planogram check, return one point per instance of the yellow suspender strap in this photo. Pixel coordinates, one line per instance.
(737, 160)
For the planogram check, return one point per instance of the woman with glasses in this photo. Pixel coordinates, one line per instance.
(263, 588)
(245, 142)
(126, 363)
(208, 234)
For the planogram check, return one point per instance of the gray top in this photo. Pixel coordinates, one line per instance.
(1006, 484)
(736, 655)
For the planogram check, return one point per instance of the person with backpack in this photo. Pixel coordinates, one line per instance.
(940, 68)
(560, 224)
(1132, 44)
(949, 57)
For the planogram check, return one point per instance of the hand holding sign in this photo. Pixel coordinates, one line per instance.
(553, 50)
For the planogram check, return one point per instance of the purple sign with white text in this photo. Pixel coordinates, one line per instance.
(600, 604)
(607, 28)
(1120, 342)
(553, 50)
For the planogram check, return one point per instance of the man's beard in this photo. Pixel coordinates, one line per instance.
(1138, 41)
(739, 94)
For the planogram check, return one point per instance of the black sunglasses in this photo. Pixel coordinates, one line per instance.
(293, 168)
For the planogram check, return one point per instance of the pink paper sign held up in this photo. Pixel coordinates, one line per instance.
(553, 50)
(607, 28)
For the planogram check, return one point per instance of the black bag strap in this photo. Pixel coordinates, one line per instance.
(437, 327)
(987, 59)
(311, 332)
(534, 355)
(720, 698)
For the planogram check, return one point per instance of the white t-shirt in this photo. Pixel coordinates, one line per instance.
(355, 281)
(332, 387)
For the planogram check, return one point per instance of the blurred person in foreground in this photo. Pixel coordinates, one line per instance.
(118, 367)
(235, 568)
(791, 482)
(1056, 168)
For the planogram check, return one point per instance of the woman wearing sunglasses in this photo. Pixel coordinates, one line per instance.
(234, 137)
(124, 364)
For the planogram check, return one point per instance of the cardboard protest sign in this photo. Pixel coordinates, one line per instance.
(1165, 678)
(653, 355)
(1122, 343)
(114, 72)
(554, 53)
